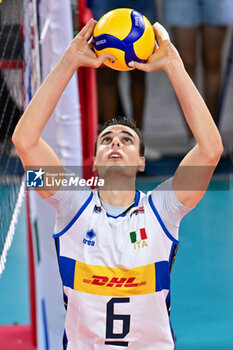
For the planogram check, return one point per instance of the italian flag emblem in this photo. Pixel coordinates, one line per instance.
(138, 235)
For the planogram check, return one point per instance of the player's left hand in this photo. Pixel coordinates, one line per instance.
(165, 53)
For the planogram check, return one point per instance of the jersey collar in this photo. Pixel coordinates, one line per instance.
(135, 204)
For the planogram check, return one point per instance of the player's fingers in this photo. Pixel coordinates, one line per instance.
(87, 30)
(156, 46)
(105, 56)
(140, 66)
(160, 33)
(91, 53)
(90, 41)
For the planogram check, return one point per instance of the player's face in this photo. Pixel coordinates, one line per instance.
(118, 148)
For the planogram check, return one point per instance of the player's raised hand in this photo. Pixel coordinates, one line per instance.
(165, 53)
(80, 51)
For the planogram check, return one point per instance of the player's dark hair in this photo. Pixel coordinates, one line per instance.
(122, 120)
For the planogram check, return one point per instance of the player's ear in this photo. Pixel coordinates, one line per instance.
(142, 162)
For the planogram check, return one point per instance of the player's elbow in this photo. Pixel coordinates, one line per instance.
(219, 148)
(216, 151)
(16, 139)
(20, 141)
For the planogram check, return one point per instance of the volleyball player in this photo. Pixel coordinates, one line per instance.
(116, 247)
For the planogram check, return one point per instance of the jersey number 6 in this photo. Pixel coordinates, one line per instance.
(111, 317)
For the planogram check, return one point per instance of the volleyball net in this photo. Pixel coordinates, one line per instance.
(19, 79)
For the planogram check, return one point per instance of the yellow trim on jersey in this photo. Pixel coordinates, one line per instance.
(110, 281)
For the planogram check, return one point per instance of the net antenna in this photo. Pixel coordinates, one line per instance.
(19, 79)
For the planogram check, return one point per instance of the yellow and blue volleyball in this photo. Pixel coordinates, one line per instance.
(127, 35)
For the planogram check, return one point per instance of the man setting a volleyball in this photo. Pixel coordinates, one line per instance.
(115, 246)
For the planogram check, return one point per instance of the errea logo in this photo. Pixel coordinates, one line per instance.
(90, 235)
(140, 210)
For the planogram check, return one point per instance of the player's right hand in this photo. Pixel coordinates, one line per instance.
(164, 56)
(79, 50)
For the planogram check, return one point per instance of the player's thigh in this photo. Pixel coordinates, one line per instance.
(137, 77)
(186, 43)
(181, 13)
(107, 77)
(217, 12)
(212, 43)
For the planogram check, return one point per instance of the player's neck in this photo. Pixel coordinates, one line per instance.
(117, 198)
(118, 189)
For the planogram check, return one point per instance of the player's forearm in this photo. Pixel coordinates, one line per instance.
(195, 110)
(41, 107)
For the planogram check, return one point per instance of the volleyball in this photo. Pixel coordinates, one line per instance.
(127, 35)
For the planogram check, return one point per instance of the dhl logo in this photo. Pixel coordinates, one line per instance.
(114, 282)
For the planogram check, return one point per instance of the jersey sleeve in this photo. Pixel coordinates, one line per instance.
(67, 203)
(170, 209)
